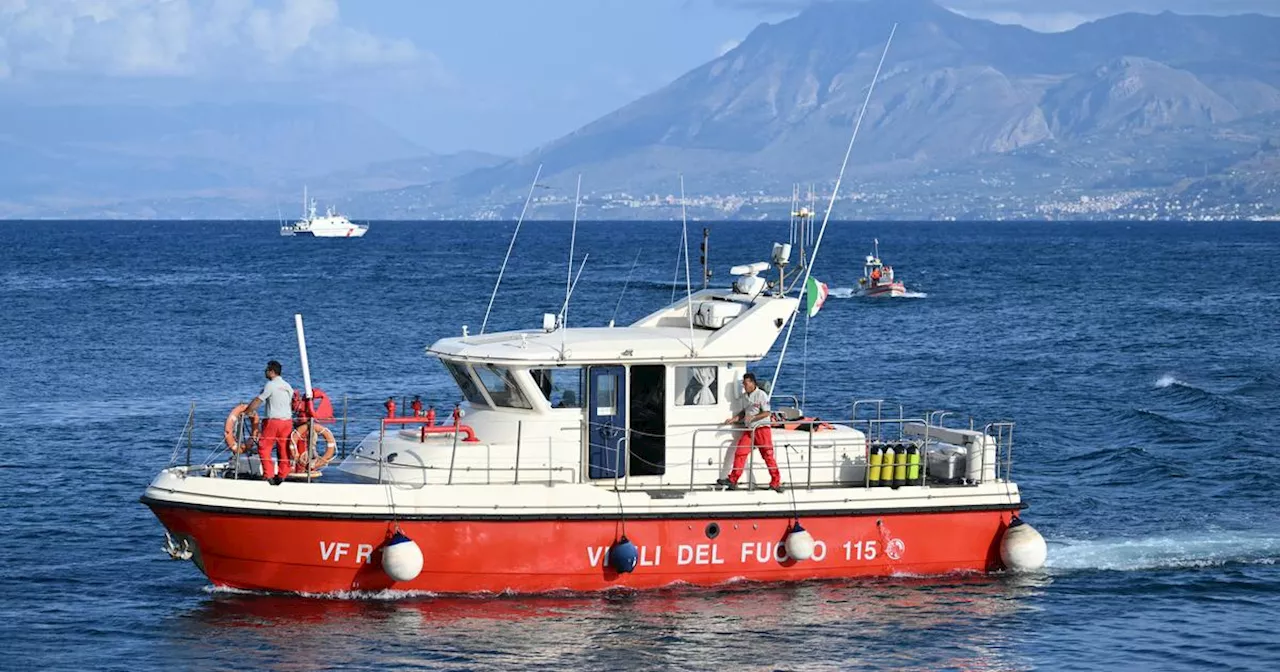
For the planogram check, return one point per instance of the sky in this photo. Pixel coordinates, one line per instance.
(501, 76)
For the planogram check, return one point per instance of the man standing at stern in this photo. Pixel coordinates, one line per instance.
(756, 417)
(277, 424)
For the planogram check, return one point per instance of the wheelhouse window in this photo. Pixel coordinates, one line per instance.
(562, 387)
(462, 376)
(501, 386)
(697, 385)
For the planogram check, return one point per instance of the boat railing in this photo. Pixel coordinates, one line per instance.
(710, 449)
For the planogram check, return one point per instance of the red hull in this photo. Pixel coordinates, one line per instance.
(259, 552)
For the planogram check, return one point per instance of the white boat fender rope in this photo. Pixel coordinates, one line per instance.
(799, 543)
(623, 556)
(401, 558)
(1022, 549)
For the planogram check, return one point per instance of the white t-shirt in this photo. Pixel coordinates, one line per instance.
(277, 396)
(755, 403)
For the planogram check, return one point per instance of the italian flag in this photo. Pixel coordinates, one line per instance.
(817, 295)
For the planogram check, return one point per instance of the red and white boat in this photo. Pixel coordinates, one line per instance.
(877, 280)
(589, 461)
(588, 450)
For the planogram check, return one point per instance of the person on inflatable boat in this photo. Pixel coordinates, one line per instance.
(277, 425)
(755, 416)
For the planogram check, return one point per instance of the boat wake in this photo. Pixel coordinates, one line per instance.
(387, 595)
(1205, 549)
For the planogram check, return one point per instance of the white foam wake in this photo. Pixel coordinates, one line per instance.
(386, 594)
(1168, 380)
(1204, 549)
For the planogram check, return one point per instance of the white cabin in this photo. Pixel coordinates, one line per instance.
(644, 404)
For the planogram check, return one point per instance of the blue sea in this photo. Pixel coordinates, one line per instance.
(1140, 361)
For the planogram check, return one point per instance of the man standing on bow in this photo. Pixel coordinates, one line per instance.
(277, 424)
(756, 417)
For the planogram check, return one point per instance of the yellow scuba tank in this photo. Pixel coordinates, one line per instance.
(913, 464)
(874, 460)
(886, 465)
(900, 466)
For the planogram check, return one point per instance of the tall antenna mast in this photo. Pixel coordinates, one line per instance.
(568, 280)
(688, 284)
(835, 191)
(510, 245)
(706, 268)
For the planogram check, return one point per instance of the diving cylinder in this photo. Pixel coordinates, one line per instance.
(876, 458)
(401, 558)
(1022, 549)
(900, 466)
(980, 466)
(913, 464)
(886, 465)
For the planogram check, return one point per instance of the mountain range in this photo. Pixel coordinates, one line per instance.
(969, 118)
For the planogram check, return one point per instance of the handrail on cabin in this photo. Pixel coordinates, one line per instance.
(433, 429)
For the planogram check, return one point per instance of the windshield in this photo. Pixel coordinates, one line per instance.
(501, 386)
(462, 376)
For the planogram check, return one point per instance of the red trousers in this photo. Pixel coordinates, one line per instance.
(275, 433)
(762, 438)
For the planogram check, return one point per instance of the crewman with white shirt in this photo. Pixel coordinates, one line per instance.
(755, 415)
(277, 423)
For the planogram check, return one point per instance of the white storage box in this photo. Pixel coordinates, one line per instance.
(716, 314)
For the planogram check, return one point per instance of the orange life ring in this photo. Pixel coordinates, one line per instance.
(233, 423)
(301, 461)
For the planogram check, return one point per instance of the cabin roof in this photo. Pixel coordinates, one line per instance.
(659, 337)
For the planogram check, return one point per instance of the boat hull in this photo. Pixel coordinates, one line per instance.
(891, 290)
(334, 233)
(261, 551)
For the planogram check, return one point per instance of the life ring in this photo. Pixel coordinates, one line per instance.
(296, 438)
(233, 423)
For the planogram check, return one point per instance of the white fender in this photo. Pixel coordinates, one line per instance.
(1023, 549)
(799, 543)
(401, 558)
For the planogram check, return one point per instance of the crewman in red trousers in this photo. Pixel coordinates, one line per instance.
(277, 425)
(755, 416)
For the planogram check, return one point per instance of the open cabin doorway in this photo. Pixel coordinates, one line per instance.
(648, 388)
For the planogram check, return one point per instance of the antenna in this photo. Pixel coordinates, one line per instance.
(509, 247)
(813, 207)
(804, 285)
(688, 285)
(565, 308)
(302, 353)
(675, 274)
(624, 287)
(706, 268)
(568, 280)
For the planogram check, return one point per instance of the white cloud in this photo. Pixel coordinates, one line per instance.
(1046, 22)
(1061, 15)
(254, 38)
(727, 47)
(1043, 15)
